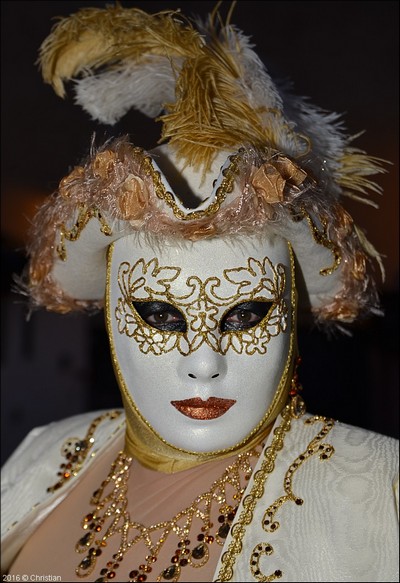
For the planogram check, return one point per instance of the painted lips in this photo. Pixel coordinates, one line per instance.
(196, 408)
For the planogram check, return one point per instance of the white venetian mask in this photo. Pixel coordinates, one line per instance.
(201, 334)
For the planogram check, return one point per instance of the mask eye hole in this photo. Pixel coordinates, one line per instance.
(245, 315)
(161, 315)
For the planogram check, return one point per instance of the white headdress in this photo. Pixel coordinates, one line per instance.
(265, 160)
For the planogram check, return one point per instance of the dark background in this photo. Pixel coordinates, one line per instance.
(344, 56)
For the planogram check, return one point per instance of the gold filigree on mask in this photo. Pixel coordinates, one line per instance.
(203, 306)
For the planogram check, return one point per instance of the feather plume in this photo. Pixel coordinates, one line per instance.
(93, 38)
(224, 99)
(370, 250)
(146, 87)
(209, 87)
(354, 168)
(212, 93)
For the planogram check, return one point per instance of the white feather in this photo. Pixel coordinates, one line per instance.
(293, 116)
(144, 86)
(260, 89)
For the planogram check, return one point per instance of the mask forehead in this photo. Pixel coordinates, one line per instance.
(206, 258)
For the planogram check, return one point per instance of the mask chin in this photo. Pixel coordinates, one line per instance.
(208, 391)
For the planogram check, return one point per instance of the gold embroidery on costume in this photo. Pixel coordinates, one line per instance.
(201, 304)
(262, 549)
(269, 523)
(75, 450)
(73, 234)
(238, 531)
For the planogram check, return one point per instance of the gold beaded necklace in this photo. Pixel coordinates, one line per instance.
(110, 516)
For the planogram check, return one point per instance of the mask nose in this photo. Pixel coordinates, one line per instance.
(204, 365)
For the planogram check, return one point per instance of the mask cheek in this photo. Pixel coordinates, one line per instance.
(258, 377)
(148, 379)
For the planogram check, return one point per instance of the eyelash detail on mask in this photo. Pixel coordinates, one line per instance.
(167, 318)
(259, 309)
(149, 309)
(259, 282)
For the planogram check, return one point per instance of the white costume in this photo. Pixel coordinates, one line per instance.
(201, 277)
(346, 529)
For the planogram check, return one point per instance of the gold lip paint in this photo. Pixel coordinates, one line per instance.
(196, 408)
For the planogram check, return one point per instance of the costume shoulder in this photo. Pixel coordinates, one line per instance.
(323, 508)
(31, 481)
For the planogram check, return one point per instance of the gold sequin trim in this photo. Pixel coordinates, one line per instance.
(73, 234)
(75, 450)
(321, 238)
(226, 186)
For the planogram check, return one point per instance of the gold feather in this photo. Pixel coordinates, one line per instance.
(370, 249)
(212, 110)
(93, 38)
(354, 168)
